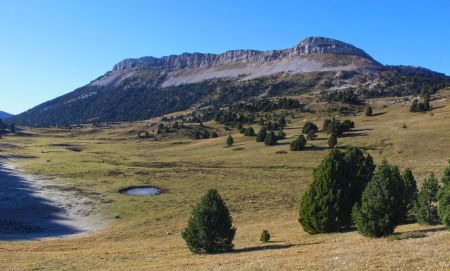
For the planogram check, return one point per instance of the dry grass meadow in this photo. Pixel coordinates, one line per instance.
(261, 188)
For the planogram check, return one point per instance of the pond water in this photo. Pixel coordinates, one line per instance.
(141, 191)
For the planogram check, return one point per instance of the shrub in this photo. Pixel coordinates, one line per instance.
(378, 213)
(249, 132)
(308, 127)
(298, 144)
(323, 205)
(369, 111)
(271, 139)
(426, 211)
(262, 134)
(230, 141)
(332, 141)
(209, 228)
(265, 236)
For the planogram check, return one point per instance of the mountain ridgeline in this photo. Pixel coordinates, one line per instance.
(146, 87)
(4, 115)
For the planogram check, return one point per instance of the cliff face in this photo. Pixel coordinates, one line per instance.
(310, 55)
(307, 47)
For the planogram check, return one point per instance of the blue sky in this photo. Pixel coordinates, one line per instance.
(49, 48)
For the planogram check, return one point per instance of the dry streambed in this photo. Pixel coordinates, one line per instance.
(34, 208)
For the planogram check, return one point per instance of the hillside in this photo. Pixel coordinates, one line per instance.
(261, 185)
(4, 115)
(142, 88)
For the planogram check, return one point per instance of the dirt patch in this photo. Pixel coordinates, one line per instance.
(34, 207)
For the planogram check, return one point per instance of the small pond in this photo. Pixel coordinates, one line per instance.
(141, 191)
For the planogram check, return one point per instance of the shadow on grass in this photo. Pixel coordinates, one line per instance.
(354, 134)
(361, 130)
(378, 114)
(315, 148)
(437, 107)
(259, 248)
(428, 230)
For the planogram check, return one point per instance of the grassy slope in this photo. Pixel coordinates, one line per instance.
(261, 189)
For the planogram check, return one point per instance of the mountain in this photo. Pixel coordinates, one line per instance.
(4, 115)
(141, 88)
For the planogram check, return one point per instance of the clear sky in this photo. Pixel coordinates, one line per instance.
(49, 48)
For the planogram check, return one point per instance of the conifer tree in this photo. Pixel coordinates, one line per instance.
(249, 132)
(380, 208)
(359, 172)
(409, 194)
(262, 134)
(413, 106)
(271, 139)
(311, 134)
(369, 111)
(444, 199)
(230, 141)
(332, 141)
(298, 144)
(323, 206)
(210, 229)
(426, 210)
(308, 127)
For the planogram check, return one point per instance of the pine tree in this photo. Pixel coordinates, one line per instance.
(409, 194)
(426, 211)
(323, 206)
(265, 236)
(298, 144)
(332, 141)
(369, 111)
(413, 106)
(262, 134)
(380, 208)
(359, 172)
(444, 199)
(210, 228)
(271, 139)
(308, 127)
(230, 141)
(311, 134)
(249, 132)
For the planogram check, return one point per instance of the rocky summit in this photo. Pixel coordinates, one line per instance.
(138, 89)
(307, 56)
